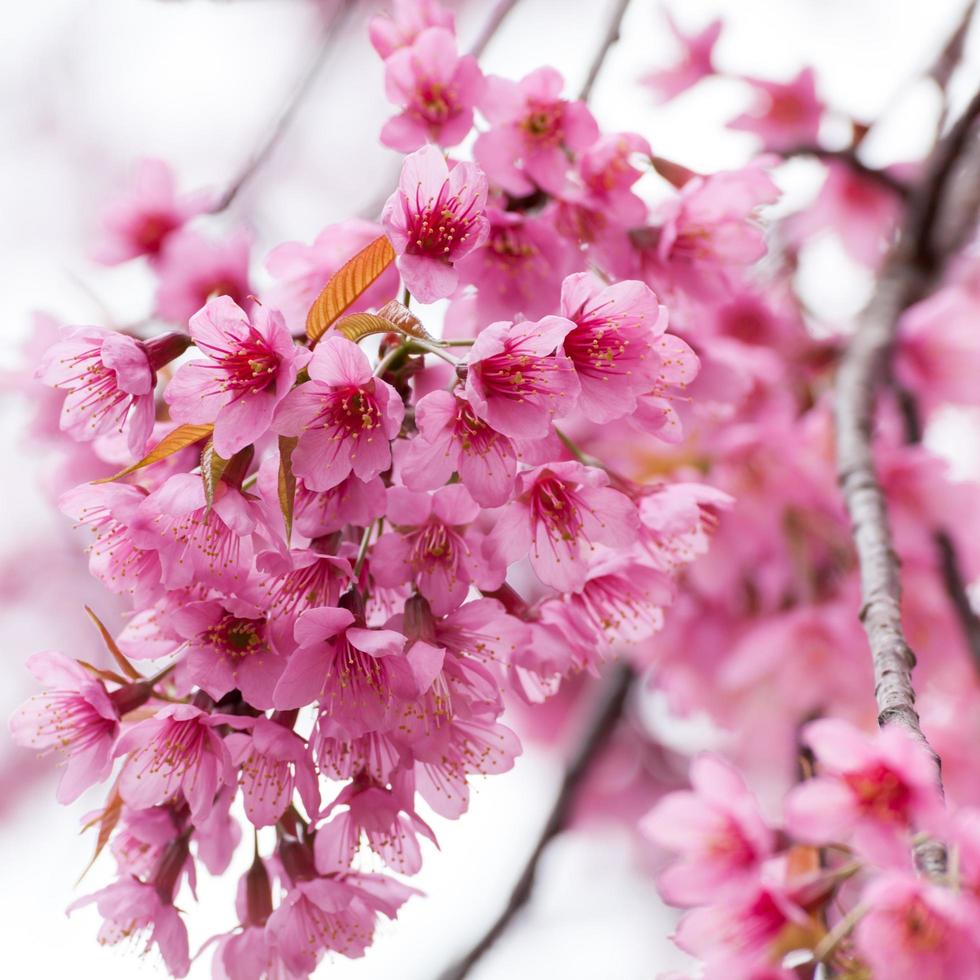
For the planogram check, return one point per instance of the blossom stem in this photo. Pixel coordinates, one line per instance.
(610, 38)
(841, 930)
(593, 740)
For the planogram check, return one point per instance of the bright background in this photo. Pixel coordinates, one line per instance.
(87, 87)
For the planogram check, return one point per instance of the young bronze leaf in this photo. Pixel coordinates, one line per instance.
(359, 325)
(172, 442)
(106, 821)
(349, 282)
(124, 665)
(212, 466)
(404, 320)
(287, 481)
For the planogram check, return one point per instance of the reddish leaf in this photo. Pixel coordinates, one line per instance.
(172, 442)
(124, 665)
(287, 481)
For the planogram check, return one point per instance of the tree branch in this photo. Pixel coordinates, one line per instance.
(936, 225)
(490, 28)
(332, 32)
(850, 157)
(611, 37)
(593, 740)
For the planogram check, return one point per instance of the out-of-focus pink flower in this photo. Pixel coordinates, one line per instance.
(438, 89)
(452, 439)
(193, 268)
(177, 751)
(519, 378)
(561, 512)
(608, 174)
(533, 132)
(75, 715)
(109, 380)
(303, 270)
(335, 913)
(915, 930)
(142, 219)
(785, 114)
(717, 831)
(432, 547)
(132, 909)
(434, 219)
(693, 65)
(612, 345)
(409, 18)
(520, 267)
(249, 366)
(273, 761)
(860, 211)
(872, 789)
(344, 417)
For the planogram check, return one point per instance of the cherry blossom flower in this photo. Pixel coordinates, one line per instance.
(718, 832)
(435, 218)
(109, 380)
(177, 751)
(608, 174)
(249, 366)
(432, 548)
(694, 64)
(132, 908)
(193, 268)
(409, 18)
(344, 417)
(143, 218)
(785, 114)
(438, 89)
(561, 512)
(301, 271)
(872, 789)
(273, 761)
(452, 439)
(75, 715)
(352, 501)
(533, 132)
(519, 378)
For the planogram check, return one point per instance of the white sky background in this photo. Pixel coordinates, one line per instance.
(85, 88)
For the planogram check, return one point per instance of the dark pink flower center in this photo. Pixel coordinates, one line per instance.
(349, 413)
(71, 723)
(102, 398)
(152, 231)
(439, 227)
(518, 375)
(924, 930)
(476, 438)
(237, 638)
(880, 793)
(304, 588)
(434, 102)
(554, 505)
(542, 126)
(245, 365)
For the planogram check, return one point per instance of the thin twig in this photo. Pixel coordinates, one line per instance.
(935, 226)
(490, 28)
(595, 737)
(850, 157)
(949, 60)
(612, 36)
(331, 34)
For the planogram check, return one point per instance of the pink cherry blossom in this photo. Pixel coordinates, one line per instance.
(332, 913)
(437, 88)
(873, 789)
(561, 512)
(133, 909)
(227, 647)
(435, 218)
(717, 831)
(608, 174)
(109, 380)
(352, 501)
(142, 838)
(784, 114)
(249, 366)
(519, 378)
(75, 715)
(694, 63)
(273, 762)
(533, 132)
(177, 751)
(520, 267)
(431, 547)
(193, 268)
(915, 930)
(142, 219)
(408, 19)
(452, 439)
(301, 271)
(344, 417)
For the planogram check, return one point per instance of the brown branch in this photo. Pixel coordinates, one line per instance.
(332, 32)
(593, 740)
(936, 225)
(610, 38)
(850, 157)
(490, 28)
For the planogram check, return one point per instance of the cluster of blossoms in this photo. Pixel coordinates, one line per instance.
(341, 548)
(346, 540)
